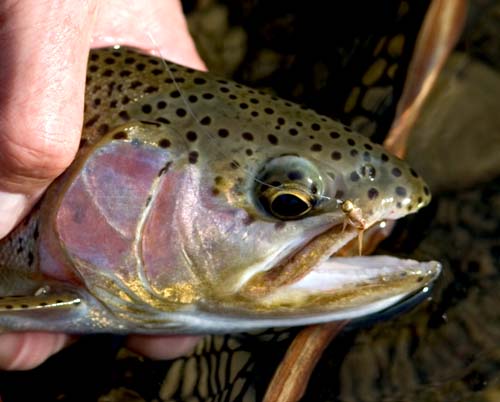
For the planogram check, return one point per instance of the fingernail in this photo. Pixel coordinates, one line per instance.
(12, 209)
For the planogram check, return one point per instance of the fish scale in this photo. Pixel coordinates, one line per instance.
(199, 205)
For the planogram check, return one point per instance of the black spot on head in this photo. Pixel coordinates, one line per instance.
(243, 105)
(224, 90)
(351, 142)
(152, 123)
(94, 57)
(272, 139)
(368, 171)
(206, 121)
(254, 101)
(103, 129)
(129, 60)
(334, 135)
(193, 98)
(223, 133)
(293, 131)
(161, 105)
(268, 110)
(193, 157)
(281, 121)
(315, 127)
(162, 120)
(146, 109)
(232, 97)
(316, 147)
(279, 225)
(254, 113)
(93, 68)
(181, 112)
(295, 175)
(336, 155)
(248, 220)
(140, 66)
(135, 84)
(124, 115)
(249, 152)
(108, 73)
(427, 191)
(368, 147)
(396, 172)
(120, 135)
(199, 81)
(156, 71)
(384, 157)
(191, 136)
(299, 124)
(354, 176)
(413, 173)
(372, 193)
(207, 96)
(348, 129)
(164, 143)
(354, 152)
(125, 73)
(247, 136)
(401, 191)
(175, 94)
(97, 102)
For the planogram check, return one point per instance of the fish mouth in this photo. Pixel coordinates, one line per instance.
(316, 284)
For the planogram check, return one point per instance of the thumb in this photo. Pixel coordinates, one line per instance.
(42, 70)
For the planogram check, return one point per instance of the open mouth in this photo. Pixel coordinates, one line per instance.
(312, 282)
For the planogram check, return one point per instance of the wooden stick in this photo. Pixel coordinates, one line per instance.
(292, 376)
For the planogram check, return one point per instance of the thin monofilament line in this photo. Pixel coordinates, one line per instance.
(206, 131)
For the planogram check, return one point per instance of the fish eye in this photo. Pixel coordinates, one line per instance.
(287, 203)
(288, 187)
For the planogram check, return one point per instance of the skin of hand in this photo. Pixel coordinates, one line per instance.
(44, 46)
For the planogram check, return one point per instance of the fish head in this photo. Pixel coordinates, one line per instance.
(225, 218)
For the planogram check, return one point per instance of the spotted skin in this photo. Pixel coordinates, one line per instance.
(240, 160)
(201, 112)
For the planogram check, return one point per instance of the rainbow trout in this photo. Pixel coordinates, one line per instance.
(196, 204)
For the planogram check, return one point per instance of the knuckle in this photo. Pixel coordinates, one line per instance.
(39, 157)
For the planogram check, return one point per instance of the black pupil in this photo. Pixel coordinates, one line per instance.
(289, 205)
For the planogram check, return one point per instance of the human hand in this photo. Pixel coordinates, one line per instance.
(44, 47)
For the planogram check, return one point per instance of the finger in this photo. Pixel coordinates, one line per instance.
(23, 351)
(43, 53)
(162, 347)
(160, 29)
